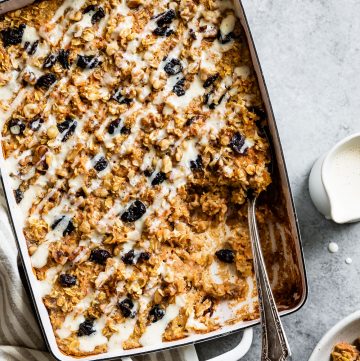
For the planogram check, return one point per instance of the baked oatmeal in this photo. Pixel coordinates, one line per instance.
(132, 131)
(346, 352)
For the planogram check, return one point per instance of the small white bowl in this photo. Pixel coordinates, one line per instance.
(347, 330)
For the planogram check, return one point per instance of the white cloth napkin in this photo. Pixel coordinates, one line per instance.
(20, 337)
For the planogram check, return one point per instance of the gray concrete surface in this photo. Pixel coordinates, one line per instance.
(310, 54)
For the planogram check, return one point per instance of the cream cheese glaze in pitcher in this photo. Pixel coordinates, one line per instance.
(334, 182)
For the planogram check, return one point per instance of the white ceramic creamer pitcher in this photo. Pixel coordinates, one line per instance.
(334, 182)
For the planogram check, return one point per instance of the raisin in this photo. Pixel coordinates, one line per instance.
(224, 39)
(19, 195)
(70, 132)
(56, 223)
(165, 18)
(193, 34)
(121, 99)
(31, 49)
(135, 211)
(69, 228)
(144, 256)
(125, 130)
(127, 302)
(12, 36)
(210, 80)
(16, 126)
(209, 101)
(207, 97)
(178, 88)
(99, 256)
(101, 164)
(63, 58)
(86, 328)
(45, 81)
(196, 164)
(64, 125)
(99, 14)
(87, 61)
(237, 143)
(173, 67)
(225, 255)
(191, 120)
(67, 280)
(81, 193)
(163, 31)
(221, 98)
(42, 166)
(156, 313)
(158, 179)
(89, 8)
(125, 100)
(128, 258)
(259, 112)
(169, 32)
(35, 124)
(125, 307)
(113, 126)
(160, 31)
(148, 172)
(49, 61)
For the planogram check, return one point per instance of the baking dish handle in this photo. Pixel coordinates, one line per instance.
(238, 352)
(188, 353)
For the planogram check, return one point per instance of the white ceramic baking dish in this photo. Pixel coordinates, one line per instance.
(282, 183)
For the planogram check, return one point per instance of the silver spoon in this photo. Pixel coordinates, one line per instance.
(275, 346)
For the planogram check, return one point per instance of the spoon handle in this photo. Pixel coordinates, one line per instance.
(275, 346)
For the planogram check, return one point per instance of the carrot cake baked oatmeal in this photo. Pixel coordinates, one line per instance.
(344, 351)
(132, 131)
